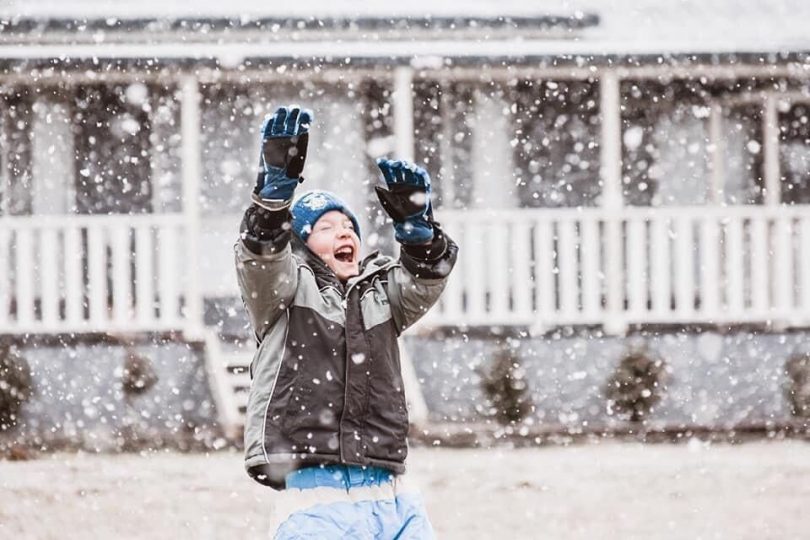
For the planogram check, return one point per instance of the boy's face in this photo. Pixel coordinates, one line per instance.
(334, 240)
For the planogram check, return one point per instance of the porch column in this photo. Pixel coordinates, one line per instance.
(779, 244)
(717, 148)
(403, 113)
(404, 148)
(770, 139)
(190, 130)
(610, 172)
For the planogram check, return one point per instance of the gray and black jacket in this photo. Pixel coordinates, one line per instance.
(326, 382)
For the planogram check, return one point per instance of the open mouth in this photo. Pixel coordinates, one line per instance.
(345, 254)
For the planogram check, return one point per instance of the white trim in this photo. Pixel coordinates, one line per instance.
(448, 177)
(402, 100)
(770, 140)
(690, 234)
(93, 220)
(768, 226)
(717, 142)
(508, 48)
(190, 119)
(610, 170)
(273, 387)
(610, 173)
(382, 71)
(5, 184)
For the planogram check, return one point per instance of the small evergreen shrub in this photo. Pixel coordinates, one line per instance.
(504, 384)
(139, 375)
(797, 389)
(637, 385)
(16, 385)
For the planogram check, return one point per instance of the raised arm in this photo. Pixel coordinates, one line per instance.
(266, 271)
(427, 255)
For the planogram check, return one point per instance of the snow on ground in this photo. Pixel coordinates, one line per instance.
(612, 490)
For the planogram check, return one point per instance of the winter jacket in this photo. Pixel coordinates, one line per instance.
(326, 382)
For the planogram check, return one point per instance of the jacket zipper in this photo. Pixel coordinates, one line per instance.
(345, 303)
(347, 359)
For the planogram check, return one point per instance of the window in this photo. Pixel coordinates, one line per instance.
(508, 144)
(557, 145)
(795, 154)
(743, 180)
(15, 180)
(52, 172)
(113, 172)
(665, 138)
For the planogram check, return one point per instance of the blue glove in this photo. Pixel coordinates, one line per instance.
(285, 135)
(407, 200)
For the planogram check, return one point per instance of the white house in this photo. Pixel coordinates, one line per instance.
(602, 164)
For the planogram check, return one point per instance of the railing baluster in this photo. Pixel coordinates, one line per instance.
(590, 247)
(804, 258)
(783, 265)
(709, 287)
(636, 268)
(568, 269)
(521, 281)
(475, 264)
(167, 274)
(144, 262)
(735, 262)
(615, 320)
(684, 267)
(544, 272)
(96, 276)
(23, 276)
(49, 278)
(5, 276)
(660, 282)
(498, 277)
(74, 287)
(121, 275)
(759, 267)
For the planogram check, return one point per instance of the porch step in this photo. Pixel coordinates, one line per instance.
(237, 367)
(228, 367)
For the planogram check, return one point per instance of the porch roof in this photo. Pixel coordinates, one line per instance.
(477, 28)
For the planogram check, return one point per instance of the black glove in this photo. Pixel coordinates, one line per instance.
(407, 200)
(285, 135)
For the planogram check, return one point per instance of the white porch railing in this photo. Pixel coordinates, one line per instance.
(63, 274)
(544, 268)
(533, 268)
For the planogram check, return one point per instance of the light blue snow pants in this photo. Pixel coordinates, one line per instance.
(344, 501)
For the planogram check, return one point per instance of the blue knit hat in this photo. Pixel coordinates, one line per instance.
(309, 208)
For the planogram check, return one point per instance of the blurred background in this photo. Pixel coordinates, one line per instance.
(629, 183)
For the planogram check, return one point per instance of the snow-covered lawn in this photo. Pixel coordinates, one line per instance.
(611, 490)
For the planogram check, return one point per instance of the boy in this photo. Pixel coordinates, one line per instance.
(326, 417)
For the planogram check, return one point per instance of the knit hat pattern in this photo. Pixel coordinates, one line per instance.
(309, 208)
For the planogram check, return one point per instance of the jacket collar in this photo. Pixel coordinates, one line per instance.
(324, 276)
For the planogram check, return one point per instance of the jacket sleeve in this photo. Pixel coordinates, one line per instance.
(416, 283)
(265, 268)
